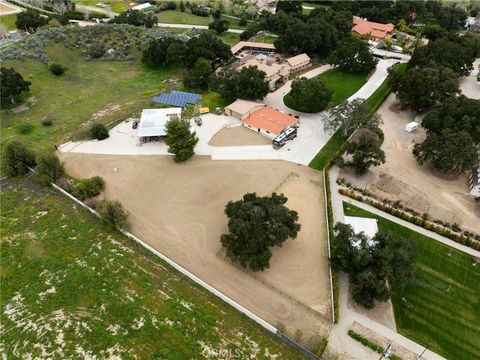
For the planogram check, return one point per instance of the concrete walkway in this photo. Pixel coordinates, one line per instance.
(337, 204)
(189, 26)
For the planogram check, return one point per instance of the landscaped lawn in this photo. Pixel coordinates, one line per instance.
(441, 308)
(265, 38)
(343, 84)
(105, 91)
(116, 6)
(186, 17)
(328, 151)
(7, 22)
(74, 288)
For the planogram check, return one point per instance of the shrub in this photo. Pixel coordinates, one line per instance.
(17, 158)
(48, 121)
(89, 188)
(57, 69)
(25, 128)
(112, 214)
(99, 132)
(97, 50)
(49, 169)
(364, 341)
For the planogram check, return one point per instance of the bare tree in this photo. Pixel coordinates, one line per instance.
(349, 115)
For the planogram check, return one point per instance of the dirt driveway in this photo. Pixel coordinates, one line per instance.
(418, 187)
(178, 209)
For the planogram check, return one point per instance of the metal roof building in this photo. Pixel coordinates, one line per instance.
(152, 123)
(177, 98)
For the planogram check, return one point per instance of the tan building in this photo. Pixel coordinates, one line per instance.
(242, 109)
(299, 62)
(273, 71)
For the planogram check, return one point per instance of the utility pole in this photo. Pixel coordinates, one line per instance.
(388, 351)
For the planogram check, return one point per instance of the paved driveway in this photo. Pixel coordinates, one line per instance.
(311, 136)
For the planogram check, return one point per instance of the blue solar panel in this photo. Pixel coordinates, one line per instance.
(177, 98)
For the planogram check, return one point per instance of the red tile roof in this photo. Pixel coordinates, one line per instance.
(376, 30)
(271, 120)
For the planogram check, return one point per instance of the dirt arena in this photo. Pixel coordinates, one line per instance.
(419, 187)
(178, 209)
(238, 136)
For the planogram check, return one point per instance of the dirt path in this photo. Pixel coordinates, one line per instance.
(178, 209)
(238, 136)
(419, 187)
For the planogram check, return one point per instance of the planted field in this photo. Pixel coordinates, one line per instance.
(72, 287)
(441, 307)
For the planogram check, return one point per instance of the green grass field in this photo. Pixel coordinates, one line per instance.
(89, 91)
(116, 6)
(178, 17)
(264, 38)
(328, 151)
(73, 288)
(442, 306)
(343, 84)
(7, 22)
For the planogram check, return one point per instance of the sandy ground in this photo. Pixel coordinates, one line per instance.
(238, 136)
(469, 85)
(419, 187)
(178, 209)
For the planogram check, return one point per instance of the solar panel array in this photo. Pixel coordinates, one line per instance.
(177, 98)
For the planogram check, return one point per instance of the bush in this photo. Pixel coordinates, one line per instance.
(99, 132)
(200, 11)
(89, 188)
(17, 158)
(97, 50)
(112, 214)
(323, 346)
(48, 121)
(25, 128)
(49, 169)
(364, 341)
(57, 69)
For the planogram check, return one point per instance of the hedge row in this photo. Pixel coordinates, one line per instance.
(419, 221)
(335, 285)
(370, 344)
(323, 346)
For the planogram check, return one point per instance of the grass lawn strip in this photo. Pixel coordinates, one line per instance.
(442, 305)
(72, 287)
(8, 21)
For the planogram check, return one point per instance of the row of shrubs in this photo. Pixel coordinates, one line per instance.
(335, 283)
(370, 344)
(19, 160)
(419, 221)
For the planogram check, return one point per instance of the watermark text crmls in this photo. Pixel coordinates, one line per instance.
(222, 353)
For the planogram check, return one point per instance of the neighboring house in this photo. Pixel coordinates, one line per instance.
(269, 122)
(242, 109)
(144, 7)
(273, 70)
(474, 181)
(265, 5)
(299, 62)
(152, 123)
(250, 45)
(377, 31)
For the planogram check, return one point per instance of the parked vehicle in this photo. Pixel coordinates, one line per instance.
(287, 135)
(198, 121)
(134, 124)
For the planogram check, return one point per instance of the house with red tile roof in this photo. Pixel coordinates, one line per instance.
(269, 122)
(377, 31)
